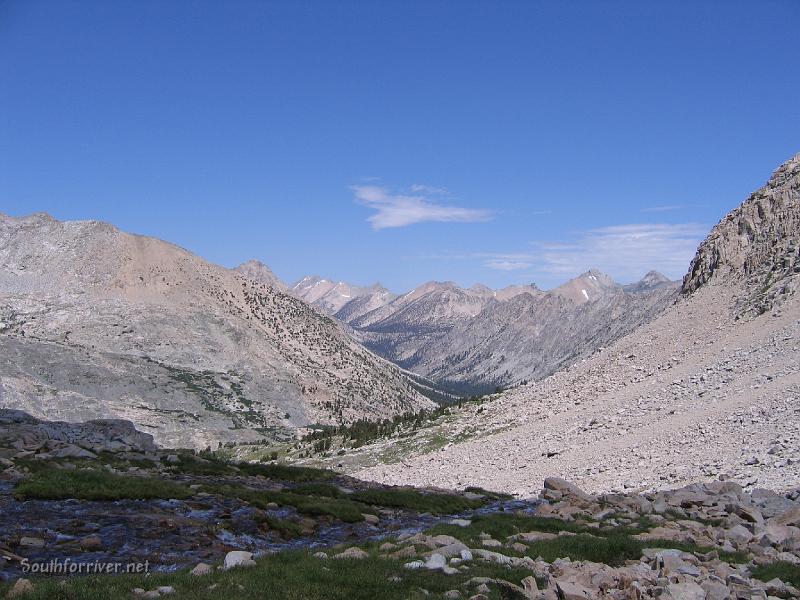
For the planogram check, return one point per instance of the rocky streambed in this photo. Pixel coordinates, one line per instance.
(171, 534)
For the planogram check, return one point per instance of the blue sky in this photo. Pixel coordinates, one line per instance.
(500, 142)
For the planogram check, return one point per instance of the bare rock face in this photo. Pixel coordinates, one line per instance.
(26, 433)
(756, 246)
(95, 322)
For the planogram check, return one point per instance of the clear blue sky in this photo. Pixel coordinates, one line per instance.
(500, 142)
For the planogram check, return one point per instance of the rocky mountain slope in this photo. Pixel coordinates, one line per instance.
(531, 336)
(709, 388)
(472, 340)
(95, 322)
(258, 271)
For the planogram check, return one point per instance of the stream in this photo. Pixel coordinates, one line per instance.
(175, 534)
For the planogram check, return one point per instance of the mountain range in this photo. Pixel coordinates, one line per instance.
(95, 322)
(474, 340)
(709, 389)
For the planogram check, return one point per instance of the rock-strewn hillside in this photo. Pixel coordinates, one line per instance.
(95, 322)
(695, 394)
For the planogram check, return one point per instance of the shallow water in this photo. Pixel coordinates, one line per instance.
(174, 534)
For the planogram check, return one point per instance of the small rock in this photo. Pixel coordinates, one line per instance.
(31, 542)
(371, 519)
(435, 561)
(354, 553)
(201, 569)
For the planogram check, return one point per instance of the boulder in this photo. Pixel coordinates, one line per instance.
(687, 590)
(569, 590)
(238, 558)
(565, 488)
(451, 550)
(789, 517)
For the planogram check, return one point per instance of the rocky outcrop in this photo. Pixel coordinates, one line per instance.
(58, 439)
(756, 247)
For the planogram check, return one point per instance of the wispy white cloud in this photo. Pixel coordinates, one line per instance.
(626, 252)
(500, 264)
(400, 210)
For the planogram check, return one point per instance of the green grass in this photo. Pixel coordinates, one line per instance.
(612, 550)
(286, 528)
(786, 572)
(325, 490)
(502, 525)
(414, 500)
(342, 509)
(95, 484)
(286, 472)
(292, 575)
(492, 495)
(732, 557)
(191, 465)
(611, 545)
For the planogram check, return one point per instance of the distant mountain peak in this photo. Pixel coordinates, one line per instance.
(258, 271)
(481, 288)
(654, 277)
